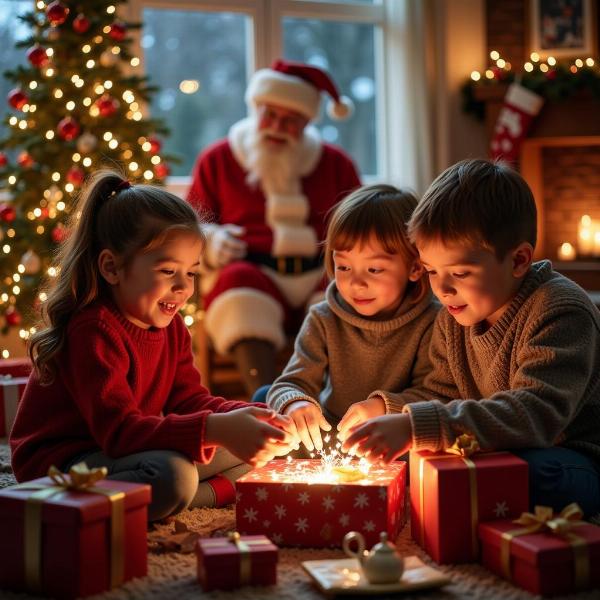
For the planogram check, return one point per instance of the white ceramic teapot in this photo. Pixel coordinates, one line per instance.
(382, 564)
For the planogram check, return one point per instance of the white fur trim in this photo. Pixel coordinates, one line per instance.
(287, 207)
(293, 240)
(340, 110)
(273, 87)
(242, 313)
(520, 97)
(297, 289)
(311, 146)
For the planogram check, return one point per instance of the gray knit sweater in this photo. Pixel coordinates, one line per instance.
(341, 357)
(531, 380)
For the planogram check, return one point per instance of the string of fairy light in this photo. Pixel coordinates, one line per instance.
(61, 188)
(535, 62)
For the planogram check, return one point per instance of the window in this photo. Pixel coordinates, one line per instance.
(202, 53)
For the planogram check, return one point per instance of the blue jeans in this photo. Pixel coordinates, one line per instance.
(559, 476)
(260, 395)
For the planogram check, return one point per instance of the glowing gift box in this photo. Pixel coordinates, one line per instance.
(11, 390)
(451, 494)
(64, 541)
(298, 504)
(558, 555)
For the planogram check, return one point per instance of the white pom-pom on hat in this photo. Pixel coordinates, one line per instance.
(341, 109)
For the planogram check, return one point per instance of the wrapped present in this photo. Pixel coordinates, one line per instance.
(548, 554)
(229, 562)
(11, 390)
(76, 535)
(450, 493)
(297, 504)
(15, 367)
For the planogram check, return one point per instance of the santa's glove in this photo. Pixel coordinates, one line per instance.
(223, 245)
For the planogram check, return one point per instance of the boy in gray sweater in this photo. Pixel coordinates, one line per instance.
(515, 351)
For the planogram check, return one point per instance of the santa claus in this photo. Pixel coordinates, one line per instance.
(266, 191)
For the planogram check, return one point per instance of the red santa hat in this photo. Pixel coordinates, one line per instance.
(297, 86)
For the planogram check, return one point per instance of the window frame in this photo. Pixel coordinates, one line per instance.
(266, 41)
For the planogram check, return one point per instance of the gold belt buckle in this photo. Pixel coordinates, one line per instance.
(281, 265)
(297, 265)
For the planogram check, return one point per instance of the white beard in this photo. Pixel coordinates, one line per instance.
(276, 170)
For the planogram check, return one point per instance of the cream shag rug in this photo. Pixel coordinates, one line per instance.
(172, 576)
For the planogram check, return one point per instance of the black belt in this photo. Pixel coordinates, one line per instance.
(286, 265)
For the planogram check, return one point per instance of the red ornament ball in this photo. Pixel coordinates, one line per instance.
(17, 98)
(75, 175)
(107, 105)
(155, 145)
(161, 170)
(3, 159)
(118, 31)
(81, 23)
(551, 74)
(25, 159)
(68, 128)
(7, 213)
(57, 13)
(37, 56)
(12, 316)
(59, 233)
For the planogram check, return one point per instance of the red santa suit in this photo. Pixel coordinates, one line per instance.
(255, 297)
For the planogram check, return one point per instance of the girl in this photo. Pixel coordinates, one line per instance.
(114, 382)
(372, 332)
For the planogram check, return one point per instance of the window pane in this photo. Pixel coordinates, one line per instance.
(12, 30)
(347, 52)
(199, 61)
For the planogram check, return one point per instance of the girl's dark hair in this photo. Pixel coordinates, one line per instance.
(374, 210)
(109, 214)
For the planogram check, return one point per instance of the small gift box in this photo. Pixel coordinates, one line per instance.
(295, 504)
(451, 493)
(230, 562)
(548, 554)
(70, 536)
(15, 367)
(11, 390)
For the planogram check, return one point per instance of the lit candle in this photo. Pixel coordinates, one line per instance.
(566, 251)
(585, 236)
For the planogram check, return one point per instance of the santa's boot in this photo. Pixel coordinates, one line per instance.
(255, 361)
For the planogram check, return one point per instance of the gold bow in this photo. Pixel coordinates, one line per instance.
(464, 445)
(543, 520)
(82, 479)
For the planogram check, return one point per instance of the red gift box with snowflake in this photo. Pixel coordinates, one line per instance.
(295, 504)
(451, 494)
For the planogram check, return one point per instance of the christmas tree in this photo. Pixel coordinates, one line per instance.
(75, 107)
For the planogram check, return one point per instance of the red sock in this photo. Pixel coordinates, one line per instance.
(223, 489)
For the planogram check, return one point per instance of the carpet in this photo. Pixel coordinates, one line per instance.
(172, 576)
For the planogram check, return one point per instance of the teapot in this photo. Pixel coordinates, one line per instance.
(382, 564)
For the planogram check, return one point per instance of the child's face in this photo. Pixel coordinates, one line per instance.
(371, 280)
(470, 281)
(157, 283)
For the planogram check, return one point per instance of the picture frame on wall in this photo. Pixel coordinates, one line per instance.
(563, 28)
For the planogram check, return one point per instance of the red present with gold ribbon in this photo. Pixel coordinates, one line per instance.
(548, 554)
(229, 562)
(451, 493)
(72, 535)
(15, 367)
(297, 504)
(11, 390)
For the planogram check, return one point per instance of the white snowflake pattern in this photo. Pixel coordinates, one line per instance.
(511, 120)
(344, 520)
(261, 493)
(250, 514)
(304, 497)
(266, 523)
(301, 524)
(369, 526)
(336, 489)
(287, 487)
(361, 500)
(276, 538)
(501, 509)
(328, 503)
(280, 511)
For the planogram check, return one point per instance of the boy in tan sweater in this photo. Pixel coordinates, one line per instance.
(516, 352)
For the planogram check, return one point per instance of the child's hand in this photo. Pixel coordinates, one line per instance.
(250, 432)
(359, 413)
(309, 421)
(381, 440)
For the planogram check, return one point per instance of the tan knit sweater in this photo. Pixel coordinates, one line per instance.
(341, 357)
(531, 380)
